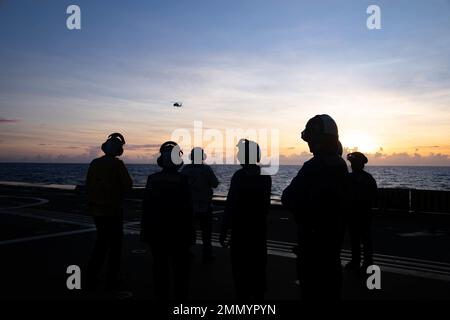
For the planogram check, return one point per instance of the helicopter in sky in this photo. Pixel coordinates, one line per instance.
(177, 104)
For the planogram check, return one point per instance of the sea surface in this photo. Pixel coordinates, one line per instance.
(427, 178)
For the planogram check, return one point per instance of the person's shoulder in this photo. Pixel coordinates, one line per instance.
(154, 176)
(93, 162)
(335, 160)
(208, 168)
(181, 175)
(118, 162)
(169, 176)
(237, 174)
(187, 167)
(342, 164)
(341, 160)
(333, 163)
(368, 176)
(310, 164)
(98, 160)
(186, 170)
(265, 178)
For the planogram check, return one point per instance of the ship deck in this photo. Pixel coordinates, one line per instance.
(43, 231)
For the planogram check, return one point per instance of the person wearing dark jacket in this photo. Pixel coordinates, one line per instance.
(107, 183)
(363, 192)
(247, 206)
(317, 197)
(202, 181)
(167, 224)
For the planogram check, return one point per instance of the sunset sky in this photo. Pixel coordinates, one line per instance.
(234, 64)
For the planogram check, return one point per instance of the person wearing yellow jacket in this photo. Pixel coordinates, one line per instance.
(107, 183)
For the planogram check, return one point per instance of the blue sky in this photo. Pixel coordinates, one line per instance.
(244, 64)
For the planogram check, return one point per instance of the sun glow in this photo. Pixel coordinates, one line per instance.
(358, 141)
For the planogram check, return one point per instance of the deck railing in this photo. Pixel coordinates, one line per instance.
(404, 200)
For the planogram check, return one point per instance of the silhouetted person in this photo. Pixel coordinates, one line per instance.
(247, 206)
(107, 183)
(363, 191)
(202, 180)
(166, 224)
(316, 196)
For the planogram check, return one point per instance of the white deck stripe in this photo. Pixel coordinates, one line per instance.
(39, 202)
(46, 236)
(292, 244)
(392, 268)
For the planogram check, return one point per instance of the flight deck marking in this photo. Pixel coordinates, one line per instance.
(46, 236)
(48, 218)
(409, 266)
(415, 266)
(394, 264)
(39, 202)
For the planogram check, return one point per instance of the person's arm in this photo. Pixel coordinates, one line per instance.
(374, 191)
(267, 181)
(292, 195)
(190, 210)
(124, 177)
(213, 181)
(89, 178)
(146, 205)
(228, 212)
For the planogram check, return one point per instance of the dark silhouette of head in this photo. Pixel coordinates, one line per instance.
(357, 161)
(198, 155)
(321, 134)
(170, 156)
(113, 146)
(249, 152)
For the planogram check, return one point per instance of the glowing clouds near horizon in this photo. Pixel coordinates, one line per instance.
(359, 141)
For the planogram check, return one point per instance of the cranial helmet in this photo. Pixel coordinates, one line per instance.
(249, 152)
(198, 155)
(357, 157)
(170, 155)
(113, 146)
(320, 127)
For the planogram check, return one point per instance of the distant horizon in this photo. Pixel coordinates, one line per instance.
(143, 164)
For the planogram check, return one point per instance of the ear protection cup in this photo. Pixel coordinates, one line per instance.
(170, 155)
(249, 152)
(197, 153)
(114, 145)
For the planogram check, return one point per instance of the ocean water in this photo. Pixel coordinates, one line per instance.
(427, 178)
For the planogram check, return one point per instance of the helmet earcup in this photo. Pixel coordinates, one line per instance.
(114, 145)
(165, 158)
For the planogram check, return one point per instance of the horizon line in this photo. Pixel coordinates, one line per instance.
(143, 164)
